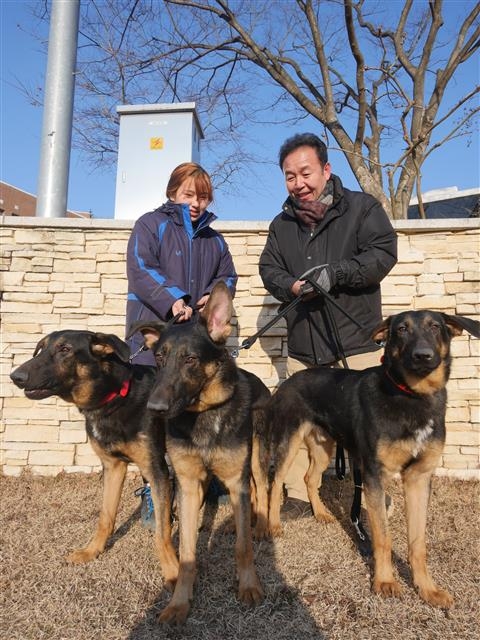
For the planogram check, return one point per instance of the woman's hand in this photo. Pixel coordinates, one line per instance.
(202, 302)
(179, 306)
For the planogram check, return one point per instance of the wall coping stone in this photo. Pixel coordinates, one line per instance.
(410, 226)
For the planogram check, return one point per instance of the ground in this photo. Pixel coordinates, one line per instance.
(317, 585)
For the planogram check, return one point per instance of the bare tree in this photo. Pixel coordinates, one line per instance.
(370, 74)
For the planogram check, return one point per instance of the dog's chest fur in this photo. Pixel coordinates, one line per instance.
(228, 425)
(423, 446)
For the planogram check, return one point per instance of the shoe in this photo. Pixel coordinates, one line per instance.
(147, 516)
(295, 509)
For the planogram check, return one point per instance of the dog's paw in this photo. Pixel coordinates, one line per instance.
(275, 530)
(324, 516)
(251, 595)
(174, 614)
(437, 597)
(82, 556)
(260, 531)
(388, 589)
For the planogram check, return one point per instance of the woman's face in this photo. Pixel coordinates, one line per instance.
(187, 194)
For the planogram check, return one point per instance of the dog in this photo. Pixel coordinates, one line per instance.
(210, 407)
(390, 418)
(93, 371)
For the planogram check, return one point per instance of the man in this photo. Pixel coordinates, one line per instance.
(348, 236)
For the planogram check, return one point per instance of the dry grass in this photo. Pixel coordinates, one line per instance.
(317, 585)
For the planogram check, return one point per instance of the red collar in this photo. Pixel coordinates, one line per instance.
(401, 387)
(125, 388)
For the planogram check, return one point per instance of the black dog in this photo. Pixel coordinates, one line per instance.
(209, 407)
(92, 370)
(390, 418)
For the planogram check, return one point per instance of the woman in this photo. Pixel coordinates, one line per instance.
(174, 258)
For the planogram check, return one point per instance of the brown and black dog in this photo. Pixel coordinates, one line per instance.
(390, 418)
(93, 371)
(212, 413)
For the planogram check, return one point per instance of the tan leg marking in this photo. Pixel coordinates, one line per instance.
(114, 471)
(383, 581)
(416, 483)
(320, 450)
(259, 492)
(191, 474)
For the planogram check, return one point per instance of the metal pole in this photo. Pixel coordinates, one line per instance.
(58, 110)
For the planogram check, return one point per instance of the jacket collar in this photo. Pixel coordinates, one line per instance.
(180, 215)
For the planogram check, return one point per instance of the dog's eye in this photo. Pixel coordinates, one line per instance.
(160, 359)
(190, 360)
(64, 348)
(401, 329)
(435, 327)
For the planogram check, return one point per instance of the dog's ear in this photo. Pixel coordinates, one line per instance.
(456, 324)
(218, 312)
(151, 331)
(380, 333)
(104, 344)
(41, 344)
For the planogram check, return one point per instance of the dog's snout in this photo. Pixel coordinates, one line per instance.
(423, 355)
(19, 377)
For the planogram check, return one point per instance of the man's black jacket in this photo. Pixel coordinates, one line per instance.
(358, 241)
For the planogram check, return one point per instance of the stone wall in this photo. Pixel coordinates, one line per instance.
(60, 274)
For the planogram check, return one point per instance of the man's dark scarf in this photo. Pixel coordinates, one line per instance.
(311, 213)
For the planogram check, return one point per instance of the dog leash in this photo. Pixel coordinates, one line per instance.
(248, 342)
(364, 544)
(139, 350)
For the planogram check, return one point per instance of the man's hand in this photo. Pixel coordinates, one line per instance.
(322, 276)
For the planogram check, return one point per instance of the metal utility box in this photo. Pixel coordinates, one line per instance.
(153, 140)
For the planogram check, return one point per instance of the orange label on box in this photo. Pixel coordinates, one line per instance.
(156, 144)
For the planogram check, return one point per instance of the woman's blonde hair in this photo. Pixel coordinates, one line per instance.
(201, 180)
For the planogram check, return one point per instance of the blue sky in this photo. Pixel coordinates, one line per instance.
(260, 195)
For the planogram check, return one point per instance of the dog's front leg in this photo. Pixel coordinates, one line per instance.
(161, 496)
(259, 490)
(250, 590)
(383, 581)
(114, 472)
(188, 502)
(416, 484)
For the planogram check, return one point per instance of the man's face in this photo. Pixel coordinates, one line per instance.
(305, 177)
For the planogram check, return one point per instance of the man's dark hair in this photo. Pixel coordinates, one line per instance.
(303, 140)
